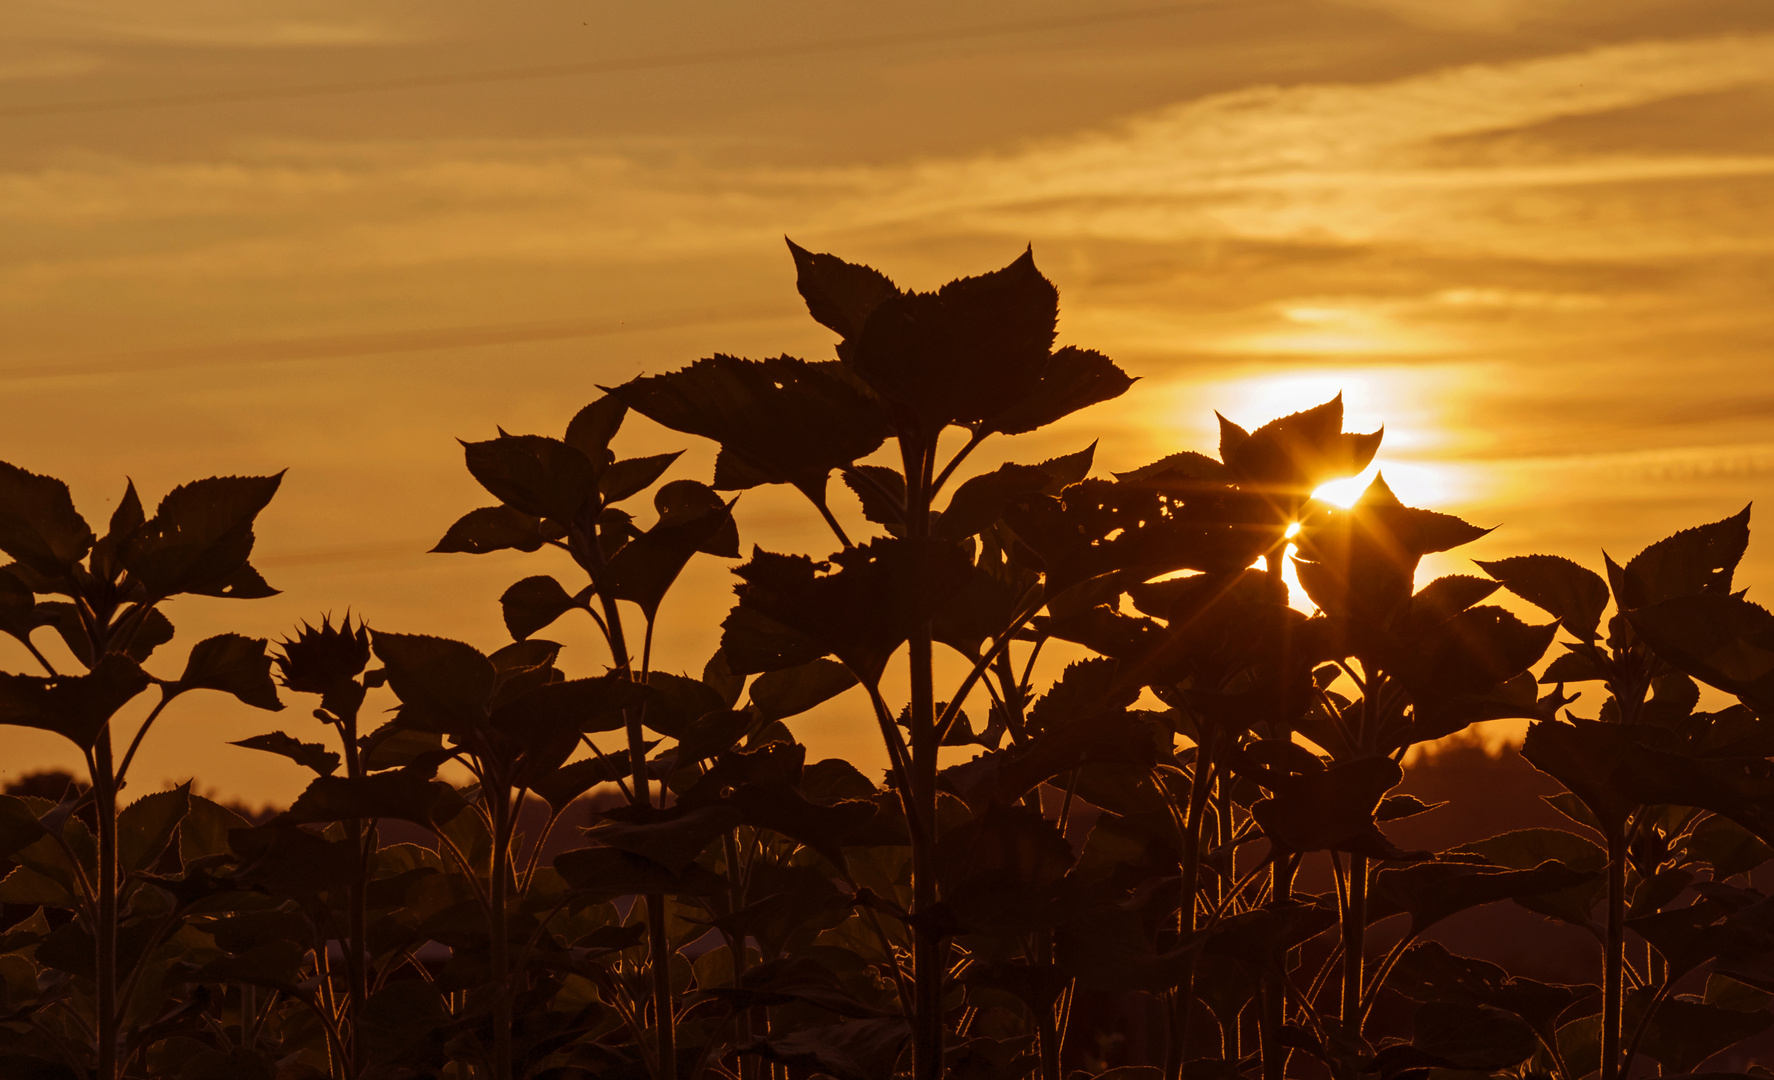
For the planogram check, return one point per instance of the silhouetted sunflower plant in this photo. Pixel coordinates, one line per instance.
(638, 875)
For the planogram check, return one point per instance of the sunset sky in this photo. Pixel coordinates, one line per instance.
(1535, 240)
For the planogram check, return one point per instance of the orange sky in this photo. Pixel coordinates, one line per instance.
(1533, 239)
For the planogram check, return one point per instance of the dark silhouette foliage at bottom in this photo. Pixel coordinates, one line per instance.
(1196, 854)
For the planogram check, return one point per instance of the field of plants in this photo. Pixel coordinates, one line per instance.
(1187, 829)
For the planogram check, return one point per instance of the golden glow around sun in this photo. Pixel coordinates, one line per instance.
(1413, 411)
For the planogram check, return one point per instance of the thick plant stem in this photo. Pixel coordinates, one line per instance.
(104, 931)
(929, 950)
(356, 931)
(499, 953)
(1354, 943)
(1614, 954)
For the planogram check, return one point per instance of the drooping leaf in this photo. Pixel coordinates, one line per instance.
(38, 523)
(881, 492)
(396, 794)
(1451, 1035)
(974, 349)
(572, 705)
(17, 604)
(1584, 756)
(1297, 453)
(1432, 891)
(442, 684)
(1072, 379)
(860, 612)
(1361, 561)
(1722, 640)
(1557, 586)
(1330, 810)
(975, 505)
(1697, 560)
(18, 826)
(1446, 597)
(234, 665)
(76, 707)
(1428, 972)
(534, 475)
(779, 421)
(592, 428)
(146, 826)
(850, 1050)
(496, 528)
(1685, 1033)
(620, 479)
(312, 756)
(533, 603)
(672, 837)
(205, 828)
(692, 518)
(1005, 871)
(840, 295)
(200, 538)
(778, 695)
(604, 873)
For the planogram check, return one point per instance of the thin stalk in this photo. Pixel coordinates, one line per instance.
(141, 733)
(105, 926)
(1047, 1030)
(748, 1065)
(499, 955)
(48, 667)
(999, 645)
(1354, 942)
(1188, 911)
(948, 470)
(1644, 1025)
(837, 530)
(1614, 953)
(659, 945)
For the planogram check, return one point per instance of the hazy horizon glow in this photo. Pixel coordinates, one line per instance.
(1530, 240)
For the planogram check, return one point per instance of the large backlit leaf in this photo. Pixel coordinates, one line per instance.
(200, 538)
(234, 665)
(840, 295)
(1724, 641)
(76, 707)
(313, 756)
(1697, 560)
(533, 603)
(38, 523)
(1557, 586)
(974, 349)
(442, 684)
(692, 518)
(534, 475)
(1294, 454)
(786, 421)
(146, 826)
(860, 612)
(496, 528)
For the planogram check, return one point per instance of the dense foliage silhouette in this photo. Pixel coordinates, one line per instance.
(1218, 868)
